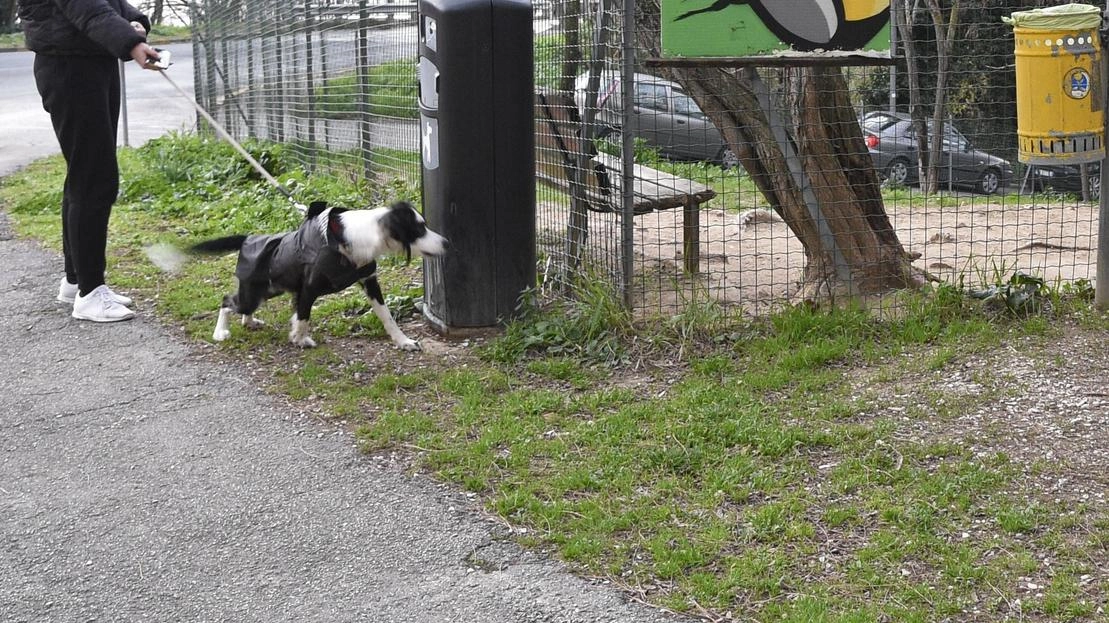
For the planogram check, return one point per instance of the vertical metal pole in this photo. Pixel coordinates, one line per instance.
(123, 104)
(251, 95)
(210, 68)
(893, 54)
(627, 154)
(1101, 285)
(230, 71)
(793, 161)
(269, 102)
(309, 85)
(324, 72)
(200, 25)
(364, 87)
(279, 59)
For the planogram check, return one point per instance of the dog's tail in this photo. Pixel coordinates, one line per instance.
(170, 258)
(219, 245)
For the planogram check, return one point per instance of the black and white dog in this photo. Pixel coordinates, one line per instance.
(333, 249)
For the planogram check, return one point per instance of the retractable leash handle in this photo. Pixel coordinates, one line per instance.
(164, 63)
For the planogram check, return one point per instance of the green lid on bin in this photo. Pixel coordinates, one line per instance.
(1060, 17)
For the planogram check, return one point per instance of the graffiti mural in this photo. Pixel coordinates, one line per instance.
(753, 27)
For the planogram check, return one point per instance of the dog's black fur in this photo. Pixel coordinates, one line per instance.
(333, 249)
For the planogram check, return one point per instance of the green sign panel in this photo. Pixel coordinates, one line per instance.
(693, 28)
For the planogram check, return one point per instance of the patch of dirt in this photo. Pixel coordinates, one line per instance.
(756, 262)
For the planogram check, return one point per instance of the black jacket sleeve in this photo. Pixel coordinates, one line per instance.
(98, 21)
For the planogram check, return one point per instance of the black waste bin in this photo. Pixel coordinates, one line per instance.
(478, 157)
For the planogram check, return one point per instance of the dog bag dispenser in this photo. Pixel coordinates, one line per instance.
(478, 157)
(1059, 107)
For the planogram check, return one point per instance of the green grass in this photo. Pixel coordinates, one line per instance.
(158, 35)
(392, 90)
(11, 41)
(776, 472)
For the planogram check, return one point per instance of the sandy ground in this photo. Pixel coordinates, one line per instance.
(757, 266)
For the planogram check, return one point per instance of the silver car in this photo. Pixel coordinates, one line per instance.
(662, 114)
(891, 141)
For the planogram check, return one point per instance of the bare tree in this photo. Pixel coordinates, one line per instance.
(945, 40)
(7, 15)
(929, 143)
(906, 15)
(832, 154)
(156, 12)
(571, 44)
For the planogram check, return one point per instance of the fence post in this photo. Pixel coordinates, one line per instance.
(279, 56)
(627, 155)
(364, 88)
(309, 86)
(324, 72)
(1101, 284)
(200, 27)
(210, 70)
(228, 84)
(251, 97)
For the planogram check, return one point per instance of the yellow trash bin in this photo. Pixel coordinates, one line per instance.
(1059, 108)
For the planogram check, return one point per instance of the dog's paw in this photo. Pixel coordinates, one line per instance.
(409, 344)
(302, 341)
(251, 322)
(220, 335)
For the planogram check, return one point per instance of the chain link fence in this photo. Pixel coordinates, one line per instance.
(748, 184)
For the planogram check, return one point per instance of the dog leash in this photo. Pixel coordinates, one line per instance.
(227, 137)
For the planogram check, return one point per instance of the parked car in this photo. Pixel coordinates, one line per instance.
(1067, 178)
(892, 143)
(662, 114)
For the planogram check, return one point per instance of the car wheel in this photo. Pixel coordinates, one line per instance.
(897, 173)
(727, 159)
(1094, 182)
(989, 182)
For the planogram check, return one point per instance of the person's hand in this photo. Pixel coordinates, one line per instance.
(139, 27)
(143, 54)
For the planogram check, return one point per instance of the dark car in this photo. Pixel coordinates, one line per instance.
(662, 114)
(1067, 178)
(892, 143)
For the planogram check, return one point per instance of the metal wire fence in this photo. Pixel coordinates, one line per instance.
(335, 80)
(748, 184)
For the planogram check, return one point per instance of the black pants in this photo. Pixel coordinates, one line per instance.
(81, 93)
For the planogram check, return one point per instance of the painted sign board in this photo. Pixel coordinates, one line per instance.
(707, 28)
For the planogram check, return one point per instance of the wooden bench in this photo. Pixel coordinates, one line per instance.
(558, 146)
(652, 190)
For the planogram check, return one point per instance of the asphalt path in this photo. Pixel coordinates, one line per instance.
(153, 106)
(140, 481)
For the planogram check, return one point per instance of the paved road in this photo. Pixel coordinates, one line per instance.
(141, 482)
(153, 107)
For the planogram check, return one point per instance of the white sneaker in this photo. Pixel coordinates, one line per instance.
(67, 290)
(100, 306)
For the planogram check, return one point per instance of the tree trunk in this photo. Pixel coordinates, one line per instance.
(7, 16)
(156, 14)
(907, 17)
(834, 157)
(571, 44)
(945, 39)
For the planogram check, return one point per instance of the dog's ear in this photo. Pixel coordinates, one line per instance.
(403, 226)
(336, 235)
(315, 209)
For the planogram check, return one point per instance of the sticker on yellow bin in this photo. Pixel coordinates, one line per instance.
(1078, 83)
